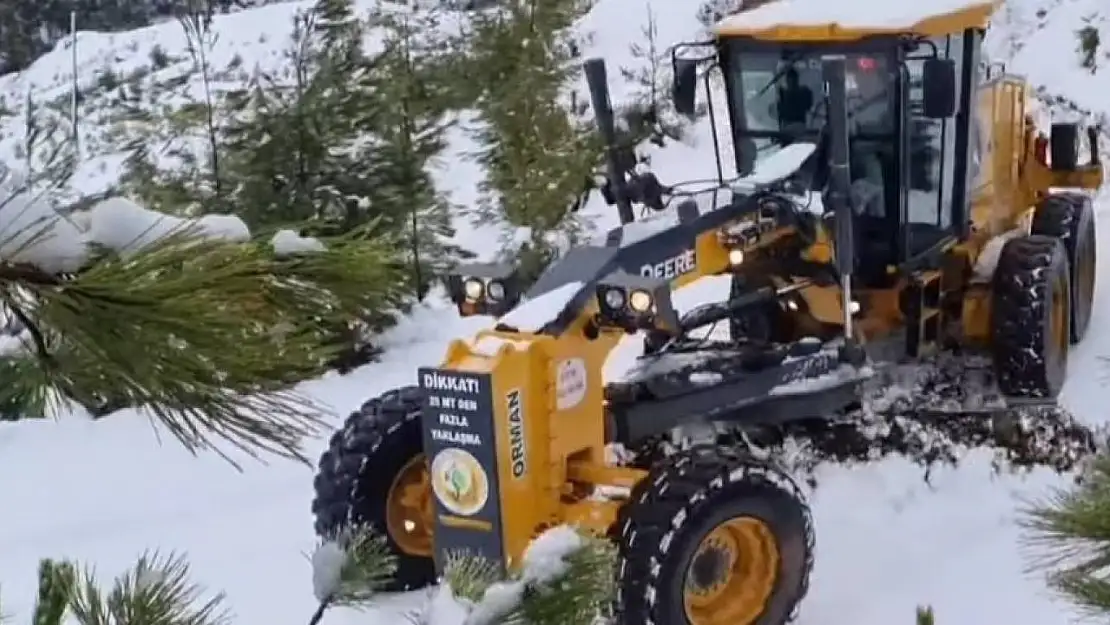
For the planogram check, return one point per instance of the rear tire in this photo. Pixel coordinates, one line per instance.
(683, 558)
(1070, 217)
(357, 480)
(1030, 318)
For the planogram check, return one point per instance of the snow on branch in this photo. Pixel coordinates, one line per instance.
(137, 308)
(565, 579)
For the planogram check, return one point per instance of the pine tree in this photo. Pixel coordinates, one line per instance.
(408, 131)
(650, 115)
(538, 156)
(1089, 43)
(293, 156)
(196, 21)
(1068, 536)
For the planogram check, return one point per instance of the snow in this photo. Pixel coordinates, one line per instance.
(532, 315)
(988, 257)
(841, 375)
(287, 242)
(103, 492)
(327, 569)
(856, 14)
(544, 562)
(32, 232)
(779, 165)
(126, 227)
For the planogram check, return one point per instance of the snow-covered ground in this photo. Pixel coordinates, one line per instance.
(103, 492)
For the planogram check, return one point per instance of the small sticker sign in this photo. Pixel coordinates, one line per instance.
(460, 443)
(570, 383)
(459, 482)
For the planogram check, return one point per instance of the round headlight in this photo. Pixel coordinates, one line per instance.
(614, 299)
(640, 301)
(495, 290)
(736, 257)
(473, 288)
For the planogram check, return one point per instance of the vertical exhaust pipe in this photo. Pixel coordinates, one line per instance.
(839, 197)
(598, 82)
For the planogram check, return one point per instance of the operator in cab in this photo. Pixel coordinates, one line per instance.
(794, 103)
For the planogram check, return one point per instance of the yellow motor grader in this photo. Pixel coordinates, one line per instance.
(891, 201)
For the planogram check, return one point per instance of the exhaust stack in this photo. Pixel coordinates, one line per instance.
(598, 82)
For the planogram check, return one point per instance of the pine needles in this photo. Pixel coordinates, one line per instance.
(1068, 533)
(205, 335)
(156, 590)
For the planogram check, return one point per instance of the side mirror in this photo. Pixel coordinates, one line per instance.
(685, 86)
(939, 88)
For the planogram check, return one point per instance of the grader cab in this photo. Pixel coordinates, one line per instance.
(892, 200)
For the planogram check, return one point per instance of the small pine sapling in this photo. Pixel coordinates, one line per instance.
(196, 21)
(1089, 42)
(651, 115)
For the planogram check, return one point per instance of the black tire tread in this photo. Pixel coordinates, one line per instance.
(357, 469)
(678, 489)
(1069, 217)
(1021, 298)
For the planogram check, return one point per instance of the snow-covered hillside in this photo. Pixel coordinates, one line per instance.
(103, 492)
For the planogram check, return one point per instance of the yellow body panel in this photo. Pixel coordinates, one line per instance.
(973, 16)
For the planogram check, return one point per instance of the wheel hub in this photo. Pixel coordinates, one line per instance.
(710, 568)
(732, 574)
(409, 509)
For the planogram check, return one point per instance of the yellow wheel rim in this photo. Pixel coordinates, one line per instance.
(732, 575)
(1059, 322)
(1085, 276)
(409, 508)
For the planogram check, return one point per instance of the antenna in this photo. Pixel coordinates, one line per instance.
(598, 82)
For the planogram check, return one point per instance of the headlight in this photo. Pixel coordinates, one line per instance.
(632, 302)
(495, 290)
(473, 289)
(484, 288)
(614, 299)
(736, 257)
(640, 301)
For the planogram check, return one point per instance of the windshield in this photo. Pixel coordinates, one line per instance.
(779, 98)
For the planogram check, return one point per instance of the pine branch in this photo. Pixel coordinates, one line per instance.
(565, 578)
(157, 589)
(154, 329)
(56, 586)
(581, 594)
(350, 569)
(1068, 534)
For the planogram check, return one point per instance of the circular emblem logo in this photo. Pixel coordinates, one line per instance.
(459, 482)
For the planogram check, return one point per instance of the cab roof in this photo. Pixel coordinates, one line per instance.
(848, 20)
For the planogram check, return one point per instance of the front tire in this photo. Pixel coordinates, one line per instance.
(1030, 317)
(374, 473)
(714, 537)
